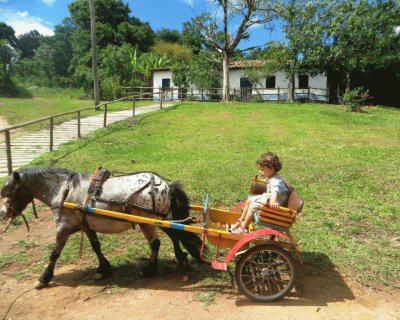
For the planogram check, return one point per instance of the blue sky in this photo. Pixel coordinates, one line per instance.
(43, 15)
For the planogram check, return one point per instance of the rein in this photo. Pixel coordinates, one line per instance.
(16, 214)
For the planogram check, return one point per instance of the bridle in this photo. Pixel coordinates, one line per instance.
(12, 213)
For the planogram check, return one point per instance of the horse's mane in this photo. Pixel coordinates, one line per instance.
(45, 171)
(50, 174)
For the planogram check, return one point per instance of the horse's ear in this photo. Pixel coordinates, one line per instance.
(16, 176)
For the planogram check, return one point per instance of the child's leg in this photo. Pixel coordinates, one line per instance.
(245, 208)
(253, 206)
(248, 218)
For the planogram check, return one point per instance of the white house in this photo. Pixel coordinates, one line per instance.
(313, 88)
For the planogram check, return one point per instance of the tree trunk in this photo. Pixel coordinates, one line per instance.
(348, 82)
(291, 87)
(225, 77)
(94, 53)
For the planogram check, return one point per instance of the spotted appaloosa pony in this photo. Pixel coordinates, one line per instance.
(52, 186)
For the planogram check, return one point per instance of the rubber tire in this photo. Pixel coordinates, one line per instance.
(268, 297)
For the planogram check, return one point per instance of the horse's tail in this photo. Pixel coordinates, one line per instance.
(180, 210)
(179, 201)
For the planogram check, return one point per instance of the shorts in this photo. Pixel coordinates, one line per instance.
(256, 202)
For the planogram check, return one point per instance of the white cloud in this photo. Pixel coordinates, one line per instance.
(189, 2)
(48, 2)
(22, 22)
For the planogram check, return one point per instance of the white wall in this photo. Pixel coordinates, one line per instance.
(317, 83)
(159, 75)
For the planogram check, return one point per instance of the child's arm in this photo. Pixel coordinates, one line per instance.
(273, 201)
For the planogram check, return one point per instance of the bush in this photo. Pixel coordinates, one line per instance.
(355, 99)
(8, 88)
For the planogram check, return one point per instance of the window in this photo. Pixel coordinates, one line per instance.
(270, 82)
(166, 83)
(245, 83)
(303, 81)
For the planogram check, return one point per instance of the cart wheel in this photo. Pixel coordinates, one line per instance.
(265, 273)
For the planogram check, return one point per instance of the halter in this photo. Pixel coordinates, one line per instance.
(13, 211)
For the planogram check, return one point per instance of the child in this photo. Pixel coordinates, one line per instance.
(277, 192)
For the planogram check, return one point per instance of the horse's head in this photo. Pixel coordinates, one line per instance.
(17, 196)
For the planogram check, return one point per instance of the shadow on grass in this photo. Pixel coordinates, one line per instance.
(317, 284)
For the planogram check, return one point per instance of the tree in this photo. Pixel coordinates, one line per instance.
(94, 53)
(144, 64)
(115, 69)
(302, 24)
(174, 51)
(28, 43)
(113, 27)
(191, 34)
(202, 72)
(7, 34)
(169, 35)
(362, 35)
(225, 43)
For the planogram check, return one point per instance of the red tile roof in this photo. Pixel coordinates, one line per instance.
(240, 64)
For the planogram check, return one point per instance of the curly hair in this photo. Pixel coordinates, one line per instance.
(270, 160)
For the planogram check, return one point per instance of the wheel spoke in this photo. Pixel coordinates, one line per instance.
(265, 273)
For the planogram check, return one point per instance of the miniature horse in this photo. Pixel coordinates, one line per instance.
(52, 186)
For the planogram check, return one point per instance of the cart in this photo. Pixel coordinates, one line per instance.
(265, 270)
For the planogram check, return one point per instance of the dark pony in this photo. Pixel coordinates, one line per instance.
(147, 192)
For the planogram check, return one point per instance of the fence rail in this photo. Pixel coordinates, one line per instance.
(7, 131)
(242, 94)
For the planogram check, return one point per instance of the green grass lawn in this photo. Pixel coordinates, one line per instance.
(47, 102)
(345, 165)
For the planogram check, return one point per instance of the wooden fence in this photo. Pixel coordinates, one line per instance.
(243, 94)
(104, 106)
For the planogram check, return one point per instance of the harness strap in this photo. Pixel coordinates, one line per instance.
(126, 204)
(65, 193)
(153, 201)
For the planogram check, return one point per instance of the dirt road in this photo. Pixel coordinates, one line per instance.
(73, 295)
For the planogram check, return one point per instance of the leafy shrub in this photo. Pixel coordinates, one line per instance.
(8, 88)
(355, 99)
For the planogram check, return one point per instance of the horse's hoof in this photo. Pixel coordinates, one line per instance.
(98, 276)
(39, 285)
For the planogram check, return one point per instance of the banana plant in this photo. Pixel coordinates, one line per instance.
(146, 62)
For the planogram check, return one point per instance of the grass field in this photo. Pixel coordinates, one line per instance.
(47, 102)
(345, 165)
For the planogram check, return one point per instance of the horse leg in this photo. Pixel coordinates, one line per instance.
(104, 268)
(180, 255)
(149, 232)
(61, 239)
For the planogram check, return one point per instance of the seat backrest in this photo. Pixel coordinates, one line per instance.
(295, 202)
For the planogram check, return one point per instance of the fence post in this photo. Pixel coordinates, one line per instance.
(133, 106)
(279, 93)
(8, 151)
(308, 94)
(79, 124)
(160, 94)
(105, 116)
(51, 133)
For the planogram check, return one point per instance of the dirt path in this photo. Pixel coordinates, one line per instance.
(3, 123)
(73, 295)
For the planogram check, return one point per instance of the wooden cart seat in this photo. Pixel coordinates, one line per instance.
(283, 218)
